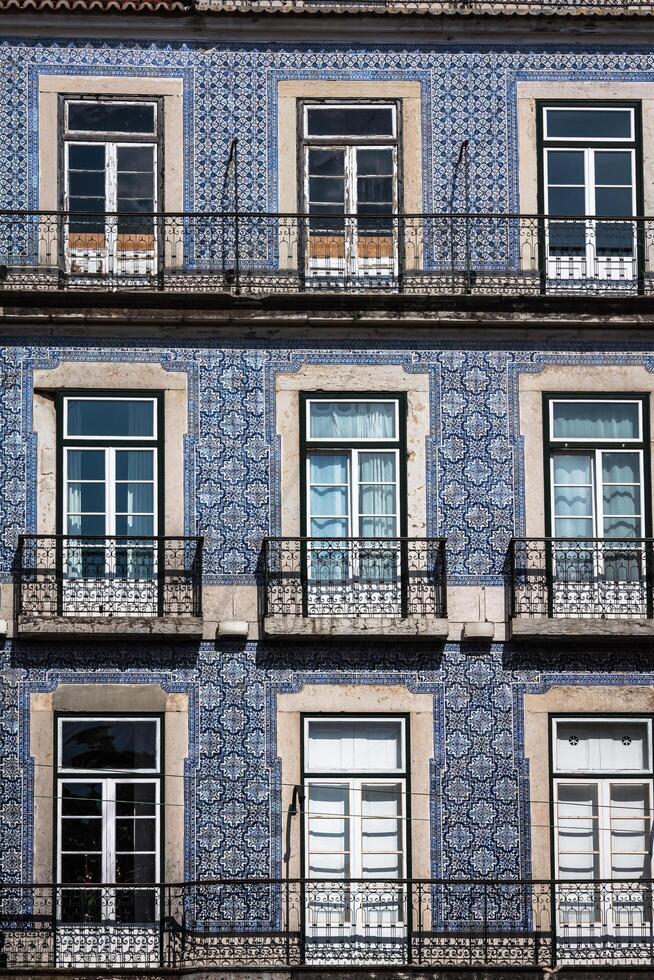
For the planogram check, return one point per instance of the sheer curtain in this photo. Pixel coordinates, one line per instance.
(352, 420)
(377, 495)
(595, 420)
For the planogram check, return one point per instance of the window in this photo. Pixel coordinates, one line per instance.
(596, 449)
(589, 169)
(598, 504)
(108, 817)
(602, 792)
(353, 479)
(110, 451)
(111, 157)
(355, 827)
(350, 159)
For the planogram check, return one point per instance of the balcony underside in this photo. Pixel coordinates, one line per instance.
(580, 627)
(101, 626)
(364, 627)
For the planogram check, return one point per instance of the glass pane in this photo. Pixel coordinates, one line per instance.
(352, 420)
(325, 468)
(327, 190)
(622, 500)
(573, 502)
(577, 831)
(134, 498)
(350, 121)
(330, 501)
(621, 467)
(613, 202)
(86, 156)
(83, 834)
(565, 167)
(380, 527)
(111, 117)
(86, 497)
(358, 746)
(110, 417)
(622, 527)
(573, 469)
(134, 464)
(111, 745)
(87, 525)
(630, 830)
(381, 808)
(136, 868)
(329, 527)
(566, 201)
(607, 746)
(595, 420)
(613, 167)
(377, 162)
(135, 799)
(85, 465)
(86, 183)
(327, 163)
(589, 123)
(377, 467)
(81, 868)
(377, 500)
(135, 163)
(140, 526)
(81, 799)
(574, 527)
(135, 835)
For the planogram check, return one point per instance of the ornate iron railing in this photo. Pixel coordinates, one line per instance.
(457, 7)
(433, 254)
(59, 575)
(387, 577)
(566, 578)
(261, 924)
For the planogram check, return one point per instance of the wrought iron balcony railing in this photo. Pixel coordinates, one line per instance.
(261, 924)
(590, 578)
(458, 7)
(432, 254)
(108, 577)
(353, 577)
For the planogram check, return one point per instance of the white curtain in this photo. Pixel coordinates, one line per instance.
(595, 420)
(577, 816)
(352, 420)
(377, 495)
(354, 746)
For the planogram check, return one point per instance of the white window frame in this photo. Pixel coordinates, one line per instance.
(588, 775)
(110, 399)
(354, 919)
(352, 401)
(583, 906)
(594, 401)
(606, 107)
(352, 263)
(354, 518)
(369, 720)
(100, 100)
(110, 784)
(597, 486)
(74, 772)
(110, 484)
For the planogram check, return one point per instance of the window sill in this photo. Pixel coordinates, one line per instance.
(161, 626)
(366, 627)
(578, 627)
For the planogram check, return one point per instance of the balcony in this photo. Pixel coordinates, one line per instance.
(367, 587)
(109, 585)
(240, 254)
(260, 925)
(460, 8)
(581, 587)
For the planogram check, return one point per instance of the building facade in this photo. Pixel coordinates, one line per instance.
(326, 552)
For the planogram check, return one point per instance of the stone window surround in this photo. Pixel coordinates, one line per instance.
(290, 93)
(109, 698)
(589, 378)
(527, 95)
(578, 700)
(352, 377)
(330, 699)
(121, 376)
(169, 89)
